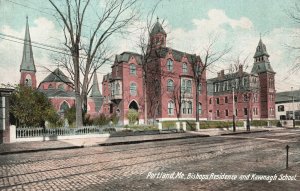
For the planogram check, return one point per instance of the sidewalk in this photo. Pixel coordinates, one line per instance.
(26, 147)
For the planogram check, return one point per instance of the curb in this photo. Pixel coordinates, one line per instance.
(101, 144)
(150, 140)
(39, 150)
(244, 132)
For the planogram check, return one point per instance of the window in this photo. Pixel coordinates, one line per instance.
(170, 107)
(245, 111)
(170, 65)
(226, 99)
(199, 88)
(170, 86)
(117, 89)
(200, 108)
(210, 100)
(50, 86)
(132, 69)
(245, 81)
(226, 112)
(218, 100)
(113, 89)
(28, 81)
(255, 98)
(218, 113)
(133, 89)
(236, 83)
(236, 112)
(61, 87)
(184, 68)
(245, 97)
(186, 86)
(189, 107)
(281, 108)
(64, 106)
(235, 99)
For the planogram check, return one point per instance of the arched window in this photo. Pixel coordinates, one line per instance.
(50, 86)
(64, 106)
(133, 89)
(184, 68)
(170, 65)
(170, 107)
(170, 86)
(61, 87)
(189, 107)
(132, 69)
(28, 81)
(200, 108)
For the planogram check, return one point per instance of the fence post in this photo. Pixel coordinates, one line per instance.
(197, 126)
(287, 156)
(184, 126)
(177, 126)
(12, 134)
(160, 126)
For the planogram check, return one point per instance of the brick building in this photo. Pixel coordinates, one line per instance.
(252, 93)
(56, 86)
(170, 84)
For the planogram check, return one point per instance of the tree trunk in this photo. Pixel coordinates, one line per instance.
(197, 100)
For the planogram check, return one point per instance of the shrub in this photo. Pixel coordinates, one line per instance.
(132, 116)
(101, 120)
(114, 118)
(109, 129)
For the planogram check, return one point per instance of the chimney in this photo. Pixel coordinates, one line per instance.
(219, 75)
(240, 69)
(222, 74)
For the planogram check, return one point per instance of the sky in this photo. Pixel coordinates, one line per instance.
(188, 23)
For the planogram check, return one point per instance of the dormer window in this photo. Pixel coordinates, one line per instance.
(170, 65)
(132, 69)
(184, 68)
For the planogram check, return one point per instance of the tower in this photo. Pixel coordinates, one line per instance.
(158, 36)
(27, 67)
(266, 74)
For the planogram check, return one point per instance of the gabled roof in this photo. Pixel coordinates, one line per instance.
(157, 28)
(27, 63)
(57, 76)
(229, 77)
(261, 67)
(261, 50)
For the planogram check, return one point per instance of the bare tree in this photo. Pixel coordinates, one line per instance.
(114, 16)
(210, 56)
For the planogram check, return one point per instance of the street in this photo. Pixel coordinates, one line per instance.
(149, 166)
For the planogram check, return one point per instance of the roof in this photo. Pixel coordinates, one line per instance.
(95, 87)
(260, 67)
(287, 96)
(27, 63)
(177, 55)
(261, 50)
(157, 28)
(57, 93)
(125, 56)
(57, 76)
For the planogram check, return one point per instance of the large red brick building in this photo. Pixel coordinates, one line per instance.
(171, 88)
(56, 86)
(170, 85)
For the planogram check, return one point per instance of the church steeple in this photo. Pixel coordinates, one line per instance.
(27, 60)
(158, 35)
(27, 67)
(96, 95)
(95, 87)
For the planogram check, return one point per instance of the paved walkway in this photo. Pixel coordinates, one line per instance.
(87, 142)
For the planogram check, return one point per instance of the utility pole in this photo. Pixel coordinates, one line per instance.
(233, 110)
